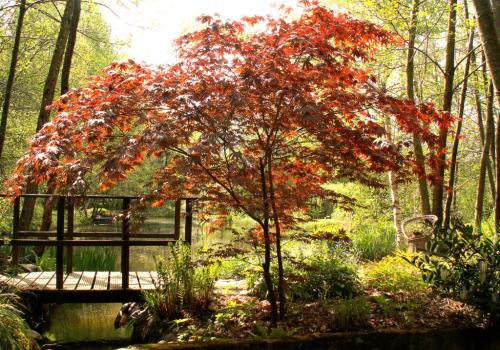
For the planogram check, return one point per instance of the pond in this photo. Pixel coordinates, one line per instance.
(94, 322)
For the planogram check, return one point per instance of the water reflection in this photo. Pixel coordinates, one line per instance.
(85, 322)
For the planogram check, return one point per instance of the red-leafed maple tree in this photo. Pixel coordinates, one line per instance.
(257, 115)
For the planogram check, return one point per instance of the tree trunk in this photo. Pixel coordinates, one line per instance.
(410, 91)
(458, 130)
(65, 74)
(47, 98)
(266, 266)
(438, 189)
(484, 159)
(490, 41)
(480, 123)
(70, 47)
(396, 208)
(12, 74)
(277, 228)
(497, 196)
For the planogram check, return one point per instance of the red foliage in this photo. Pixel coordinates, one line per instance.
(296, 92)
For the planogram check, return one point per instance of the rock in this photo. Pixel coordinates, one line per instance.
(29, 267)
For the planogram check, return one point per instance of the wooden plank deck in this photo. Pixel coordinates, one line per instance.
(83, 286)
(100, 280)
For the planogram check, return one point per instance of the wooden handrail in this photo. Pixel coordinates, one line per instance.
(90, 242)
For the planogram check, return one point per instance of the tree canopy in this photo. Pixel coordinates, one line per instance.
(296, 93)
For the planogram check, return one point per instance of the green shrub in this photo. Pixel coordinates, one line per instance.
(14, 332)
(393, 274)
(350, 314)
(326, 271)
(373, 242)
(464, 264)
(329, 273)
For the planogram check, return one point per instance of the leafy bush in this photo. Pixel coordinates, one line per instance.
(328, 271)
(373, 242)
(349, 314)
(464, 264)
(14, 331)
(393, 274)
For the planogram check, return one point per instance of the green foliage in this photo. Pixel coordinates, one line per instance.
(393, 274)
(180, 285)
(14, 332)
(330, 272)
(326, 271)
(374, 241)
(351, 314)
(464, 264)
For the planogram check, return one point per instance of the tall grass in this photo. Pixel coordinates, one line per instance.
(84, 259)
(373, 242)
(95, 259)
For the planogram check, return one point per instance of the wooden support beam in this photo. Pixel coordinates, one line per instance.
(125, 266)
(15, 230)
(69, 236)
(188, 228)
(60, 248)
(177, 220)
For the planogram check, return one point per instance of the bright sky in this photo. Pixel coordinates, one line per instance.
(152, 25)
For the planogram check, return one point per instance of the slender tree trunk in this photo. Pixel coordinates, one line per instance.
(47, 98)
(490, 40)
(277, 228)
(70, 47)
(12, 74)
(266, 266)
(410, 91)
(458, 130)
(489, 170)
(497, 196)
(65, 74)
(396, 208)
(484, 159)
(438, 189)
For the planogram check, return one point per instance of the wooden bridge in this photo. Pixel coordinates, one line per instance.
(67, 286)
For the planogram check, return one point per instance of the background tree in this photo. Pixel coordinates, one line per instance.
(12, 74)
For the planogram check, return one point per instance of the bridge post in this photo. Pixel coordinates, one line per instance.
(69, 235)
(60, 248)
(125, 247)
(188, 228)
(177, 220)
(15, 230)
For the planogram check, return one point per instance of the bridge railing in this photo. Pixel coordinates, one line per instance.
(64, 234)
